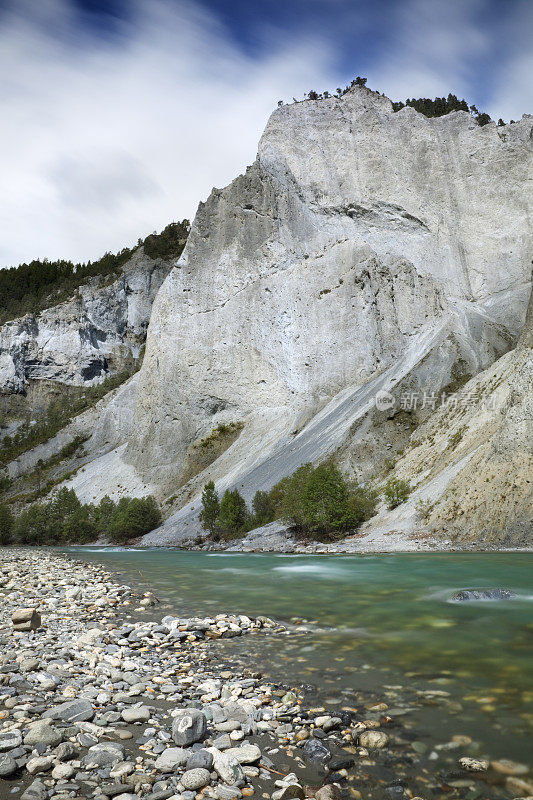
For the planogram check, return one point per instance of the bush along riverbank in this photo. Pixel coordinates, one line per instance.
(317, 503)
(65, 520)
(105, 694)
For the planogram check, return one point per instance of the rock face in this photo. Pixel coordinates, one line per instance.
(83, 339)
(362, 246)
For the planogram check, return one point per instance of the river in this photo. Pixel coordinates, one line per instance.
(377, 625)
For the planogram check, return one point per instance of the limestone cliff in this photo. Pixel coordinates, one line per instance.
(361, 247)
(80, 341)
(364, 251)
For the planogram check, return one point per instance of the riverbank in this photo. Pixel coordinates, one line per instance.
(116, 694)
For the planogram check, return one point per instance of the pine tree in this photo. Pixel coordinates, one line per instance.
(210, 509)
(263, 508)
(233, 512)
(6, 524)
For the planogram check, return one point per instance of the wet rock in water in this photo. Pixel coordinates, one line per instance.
(483, 594)
(341, 763)
(473, 764)
(71, 711)
(195, 779)
(504, 766)
(373, 739)
(317, 751)
(328, 792)
(8, 765)
(26, 619)
(519, 787)
(394, 792)
(189, 726)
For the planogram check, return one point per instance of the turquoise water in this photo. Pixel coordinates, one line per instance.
(372, 622)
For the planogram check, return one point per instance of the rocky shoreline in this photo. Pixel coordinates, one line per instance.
(102, 698)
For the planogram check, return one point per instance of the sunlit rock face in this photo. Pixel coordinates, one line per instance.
(360, 239)
(81, 341)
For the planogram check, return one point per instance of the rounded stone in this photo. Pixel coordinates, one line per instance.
(473, 764)
(373, 739)
(8, 765)
(189, 726)
(195, 779)
(136, 714)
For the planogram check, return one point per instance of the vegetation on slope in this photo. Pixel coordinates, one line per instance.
(437, 107)
(59, 413)
(317, 502)
(30, 288)
(65, 520)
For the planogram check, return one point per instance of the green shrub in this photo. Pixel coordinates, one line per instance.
(319, 501)
(133, 517)
(233, 514)
(65, 520)
(210, 509)
(6, 524)
(316, 501)
(224, 519)
(264, 509)
(396, 492)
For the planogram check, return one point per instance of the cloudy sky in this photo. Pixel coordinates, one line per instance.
(119, 116)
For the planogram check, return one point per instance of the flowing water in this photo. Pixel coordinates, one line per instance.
(382, 627)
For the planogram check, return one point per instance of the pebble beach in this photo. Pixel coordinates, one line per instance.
(104, 696)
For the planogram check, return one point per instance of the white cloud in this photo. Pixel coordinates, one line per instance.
(103, 142)
(102, 145)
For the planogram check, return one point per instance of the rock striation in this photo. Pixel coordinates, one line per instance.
(361, 247)
(80, 341)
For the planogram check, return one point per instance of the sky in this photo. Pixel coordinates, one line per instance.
(120, 116)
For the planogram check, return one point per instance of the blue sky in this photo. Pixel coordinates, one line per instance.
(121, 115)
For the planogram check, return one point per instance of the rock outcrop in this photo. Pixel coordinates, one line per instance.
(365, 251)
(80, 341)
(361, 247)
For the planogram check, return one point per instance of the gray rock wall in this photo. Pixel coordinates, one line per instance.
(80, 341)
(355, 235)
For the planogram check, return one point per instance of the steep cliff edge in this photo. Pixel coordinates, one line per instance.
(365, 251)
(91, 335)
(362, 247)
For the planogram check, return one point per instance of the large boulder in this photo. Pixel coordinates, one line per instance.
(189, 726)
